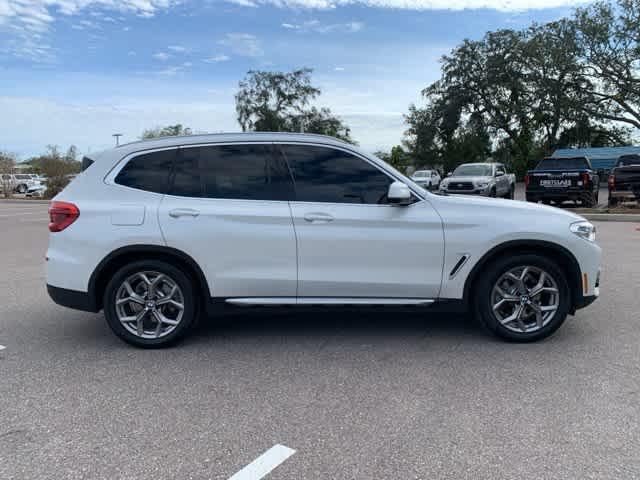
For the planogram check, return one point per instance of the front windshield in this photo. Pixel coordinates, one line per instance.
(627, 160)
(472, 171)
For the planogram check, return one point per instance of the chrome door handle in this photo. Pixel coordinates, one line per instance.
(183, 212)
(318, 217)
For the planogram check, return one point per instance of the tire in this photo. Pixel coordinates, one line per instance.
(590, 200)
(510, 195)
(529, 327)
(21, 188)
(492, 194)
(530, 198)
(613, 202)
(150, 333)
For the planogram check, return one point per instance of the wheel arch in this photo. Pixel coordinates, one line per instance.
(121, 256)
(562, 256)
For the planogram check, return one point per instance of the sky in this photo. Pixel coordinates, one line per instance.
(78, 71)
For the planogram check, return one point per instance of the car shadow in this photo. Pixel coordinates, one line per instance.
(332, 322)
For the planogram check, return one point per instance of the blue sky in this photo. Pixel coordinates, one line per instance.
(76, 71)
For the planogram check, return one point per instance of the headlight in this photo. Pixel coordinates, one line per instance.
(482, 184)
(585, 230)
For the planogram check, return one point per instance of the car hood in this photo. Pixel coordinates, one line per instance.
(505, 209)
(455, 179)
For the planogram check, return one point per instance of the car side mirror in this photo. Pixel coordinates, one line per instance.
(449, 174)
(399, 194)
(499, 174)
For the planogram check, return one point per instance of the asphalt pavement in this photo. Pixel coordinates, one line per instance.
(391, 395)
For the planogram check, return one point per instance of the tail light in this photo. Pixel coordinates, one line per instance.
(526, 180)
(612, 181)
(61, 215)
(585, 178)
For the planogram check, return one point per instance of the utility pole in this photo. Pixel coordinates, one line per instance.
(117, 137)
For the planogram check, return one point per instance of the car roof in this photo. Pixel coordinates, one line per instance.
(176, 141)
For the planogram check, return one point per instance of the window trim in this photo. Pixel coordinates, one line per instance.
(110, 176)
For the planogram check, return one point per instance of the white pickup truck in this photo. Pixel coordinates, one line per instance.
(486, 179)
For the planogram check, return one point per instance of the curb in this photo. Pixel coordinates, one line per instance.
(611, 217)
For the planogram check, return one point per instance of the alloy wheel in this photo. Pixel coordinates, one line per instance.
(149, 304)
(525, 299)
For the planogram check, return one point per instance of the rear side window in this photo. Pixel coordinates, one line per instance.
(86, 163)
(245, 172)
(626, 160)
(324, 174)
(149, 171)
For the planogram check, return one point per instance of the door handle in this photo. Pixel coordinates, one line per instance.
(316, 217)
(183, 212)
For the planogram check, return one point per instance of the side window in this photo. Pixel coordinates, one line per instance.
(248, 171)
(149, 172)
(324, 174)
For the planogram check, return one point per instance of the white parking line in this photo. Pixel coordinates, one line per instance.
(20, 214)
(264, 464)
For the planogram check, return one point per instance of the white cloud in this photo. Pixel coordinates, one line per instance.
(243, 44)
(175, 69)
(177, 48)
(503, 5)
(339, 69)
(316, 26)
(162, 56)
(38, 14)
(217, 59)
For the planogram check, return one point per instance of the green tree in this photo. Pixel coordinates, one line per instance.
(168, 131)
(281, 102)
(7, 164)
(398, 158)
(608, 37)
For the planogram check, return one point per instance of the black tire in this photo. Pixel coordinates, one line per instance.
(185, 284)
(492, 193)
(21, 188)
(511, 194)
(613, 202)
(492, 273)
(590, 200)
(531, 198)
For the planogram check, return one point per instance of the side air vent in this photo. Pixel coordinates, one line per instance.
(459, 265)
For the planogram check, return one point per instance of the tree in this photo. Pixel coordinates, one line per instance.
(608, 37)
(7, 164)
(281, 102)
(397, 158)
(56, 167)
(168, 131)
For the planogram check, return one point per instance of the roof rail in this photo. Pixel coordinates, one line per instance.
(239, 134)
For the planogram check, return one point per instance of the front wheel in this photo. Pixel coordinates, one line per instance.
(523, 298)
(150, 304)
(21, 189)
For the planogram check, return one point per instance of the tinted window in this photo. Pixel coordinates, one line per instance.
(626, 160)
(149, 171)
(470, 170)
(563, 164)
(329, 175)
(247, 171)
(86, 163)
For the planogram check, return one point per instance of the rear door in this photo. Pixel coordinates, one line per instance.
(351, 241)
(228, 209)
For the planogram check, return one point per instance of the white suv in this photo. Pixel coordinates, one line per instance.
(158, 232)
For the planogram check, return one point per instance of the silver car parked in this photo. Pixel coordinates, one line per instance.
(486, 179)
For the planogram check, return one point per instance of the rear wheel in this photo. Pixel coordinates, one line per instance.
(590, 200)
(523, 298)
(150, 304)
(531, 198)
(492, 193)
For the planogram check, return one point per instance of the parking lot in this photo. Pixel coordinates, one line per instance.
(389, 395)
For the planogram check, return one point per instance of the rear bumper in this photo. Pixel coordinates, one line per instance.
(551, 194)
(629, 194)
(72, 298)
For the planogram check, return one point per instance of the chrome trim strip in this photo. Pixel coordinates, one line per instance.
(327, 301)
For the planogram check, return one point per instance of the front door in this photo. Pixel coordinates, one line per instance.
(227, 208)
(351, 241)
